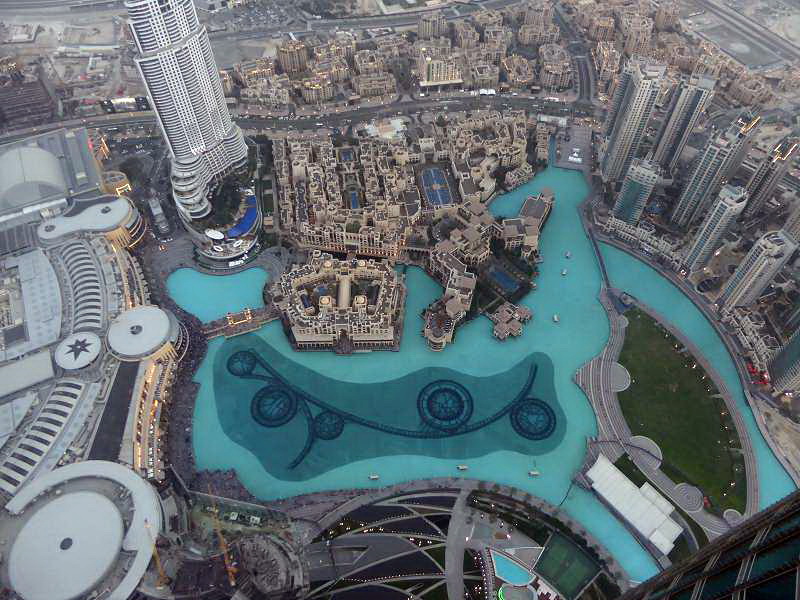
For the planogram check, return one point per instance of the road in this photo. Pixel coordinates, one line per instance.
(751, 30)
(405, 106)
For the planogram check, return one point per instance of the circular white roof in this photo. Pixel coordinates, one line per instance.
(78, 350)
(139, 332)
(67, 546)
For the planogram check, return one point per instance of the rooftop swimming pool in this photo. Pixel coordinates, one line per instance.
(293, 423)
(509, 570)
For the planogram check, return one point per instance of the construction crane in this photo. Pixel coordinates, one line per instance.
(163, 579)
(230, 568)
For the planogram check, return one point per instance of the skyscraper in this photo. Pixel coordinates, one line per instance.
(713, 165)
(784, 369)
(730, 203)
(688, 103)
(755, 560)
(631, 108)
(792, 225)
(764, 261)
(641, 178)
(178, 68)
(767, 176)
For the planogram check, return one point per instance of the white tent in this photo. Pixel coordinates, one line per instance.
(644, 508)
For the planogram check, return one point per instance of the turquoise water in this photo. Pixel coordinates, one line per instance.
(639, 280)
(210, 297)
(316, 391)
(293, 423)
(509, 571)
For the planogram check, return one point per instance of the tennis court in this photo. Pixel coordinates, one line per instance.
(434, 183)
(354, 199)
(565, 566)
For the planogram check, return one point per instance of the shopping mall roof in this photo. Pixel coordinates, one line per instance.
(81, 529)
(75, 537)
(41, 297)
(26, 372)
(100, 215)
(78, 350)
(44, 170)
(139, 332)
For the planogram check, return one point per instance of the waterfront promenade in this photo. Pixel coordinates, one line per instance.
(735, 352)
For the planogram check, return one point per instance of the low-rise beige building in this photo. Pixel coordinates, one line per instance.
(343, 305)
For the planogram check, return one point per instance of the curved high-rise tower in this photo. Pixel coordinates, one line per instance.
(182, 80)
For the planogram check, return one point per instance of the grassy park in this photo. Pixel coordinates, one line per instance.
(671, 402)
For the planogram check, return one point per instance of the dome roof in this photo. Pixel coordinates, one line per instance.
(29, 174)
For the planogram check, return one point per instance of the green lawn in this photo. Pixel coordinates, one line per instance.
(671, 402)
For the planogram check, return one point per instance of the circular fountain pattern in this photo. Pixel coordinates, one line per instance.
(445, 405)
(273, 406)
(533, 419)
(328, 425)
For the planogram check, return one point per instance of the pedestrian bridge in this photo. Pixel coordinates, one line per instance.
(233, 324)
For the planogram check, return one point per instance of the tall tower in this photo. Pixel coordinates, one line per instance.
(640, 180)
(713, 165)
(792, 225)
(634, 99)
(182, 80)
(754, 559)
(784, 369)
(764, 261)
(730, 203)
(767, 176)
(688, 103)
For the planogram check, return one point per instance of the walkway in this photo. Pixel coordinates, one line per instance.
(234, 324)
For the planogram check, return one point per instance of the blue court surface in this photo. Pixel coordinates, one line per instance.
(354, 200)
(434, 183)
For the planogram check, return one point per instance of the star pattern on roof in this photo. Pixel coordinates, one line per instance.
(78, 347)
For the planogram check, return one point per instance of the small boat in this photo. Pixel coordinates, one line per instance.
(563, 272)
(533, 473)
(374, 477)
(462, 467)
(555, 318)
(568, 254)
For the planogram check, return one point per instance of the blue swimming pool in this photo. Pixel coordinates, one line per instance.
(328, 421)
(504, 280)
(510, 571)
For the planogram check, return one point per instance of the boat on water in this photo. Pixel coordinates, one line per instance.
(374, 477)
(534, 473)
(568, 254)
(462, 467)
(555, 318)
(563, 272)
